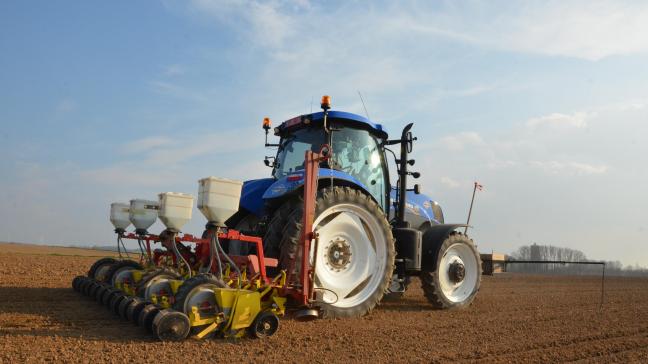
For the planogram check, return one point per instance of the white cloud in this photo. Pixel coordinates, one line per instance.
(570, 168)
(575, 120)
(461, 140)
(269, 24)
(449, 182)
(147, 144)
(589, 30)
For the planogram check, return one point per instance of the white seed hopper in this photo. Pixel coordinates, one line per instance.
(143, 213)
(119, 215)
(175, 209)
(218, 198)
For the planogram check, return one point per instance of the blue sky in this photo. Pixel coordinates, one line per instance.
(545, 103)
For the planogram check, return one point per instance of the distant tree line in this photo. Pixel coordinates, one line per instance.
(555, 253)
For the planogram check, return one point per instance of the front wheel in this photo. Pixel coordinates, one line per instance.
(457, 277)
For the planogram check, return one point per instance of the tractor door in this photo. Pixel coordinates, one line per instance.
(358, 153)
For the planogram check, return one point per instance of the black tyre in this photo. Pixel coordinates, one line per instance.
(199, 291)
(356, 253)
(76, 281)
(109, 295)
(274, 232)
(93, 289)
(153, 275)
(113, 306)
(456, 277)
(265, 324)
(123, 307)
(135, 308)
(100, 267)
(171, 325)
(100, 292)
(246, 223)
(118, 267)
(85, 286)
(146, 317)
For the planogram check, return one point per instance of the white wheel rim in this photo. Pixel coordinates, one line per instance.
(156, 285)
(122, 275)
(100, 273)
(200, 295)
(458, 253)
(349, 279)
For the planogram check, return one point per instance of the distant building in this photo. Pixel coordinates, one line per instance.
(493, 263)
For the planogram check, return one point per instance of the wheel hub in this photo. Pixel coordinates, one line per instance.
(338, 254)
(457, 272)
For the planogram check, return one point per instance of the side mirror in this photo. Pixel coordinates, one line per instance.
(409, 139)
(267, 162)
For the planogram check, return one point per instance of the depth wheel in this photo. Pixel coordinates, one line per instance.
(198, 291)
(77, 281)
(455, 281)
(134, 309)
(100, 293)
(115, 301)
(123, 307)
(265, 324)
(171, 325)
(156, 282)
(147, 315)
(115, 269)
(100, 267)
(108, 296)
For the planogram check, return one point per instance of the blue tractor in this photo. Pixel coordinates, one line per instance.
(373, 237)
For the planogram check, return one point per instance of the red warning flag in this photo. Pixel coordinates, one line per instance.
(478, 186)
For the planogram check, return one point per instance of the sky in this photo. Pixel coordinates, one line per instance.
(544, 103)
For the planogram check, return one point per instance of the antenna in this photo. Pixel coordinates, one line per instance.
(363, 105)
(311, 105)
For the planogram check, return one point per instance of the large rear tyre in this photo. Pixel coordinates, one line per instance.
(355, 256)
(457, 276)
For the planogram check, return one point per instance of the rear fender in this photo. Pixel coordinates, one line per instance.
(432, 240)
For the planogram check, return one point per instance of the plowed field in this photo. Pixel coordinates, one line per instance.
(515, 318)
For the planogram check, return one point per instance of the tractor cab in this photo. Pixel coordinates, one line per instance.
(357, 152)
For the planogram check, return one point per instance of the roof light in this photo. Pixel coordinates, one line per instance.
(326, 102)
(266, 123)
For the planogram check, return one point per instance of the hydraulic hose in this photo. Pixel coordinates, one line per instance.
(214, 251)
(178, 255)
(238, 271)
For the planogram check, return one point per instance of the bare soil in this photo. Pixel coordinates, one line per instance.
(515, 318)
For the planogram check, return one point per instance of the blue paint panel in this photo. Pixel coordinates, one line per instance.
(420, 205)
(251, 196)
(284, 186)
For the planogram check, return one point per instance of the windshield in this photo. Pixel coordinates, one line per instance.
(355, 151)
(290, 157)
